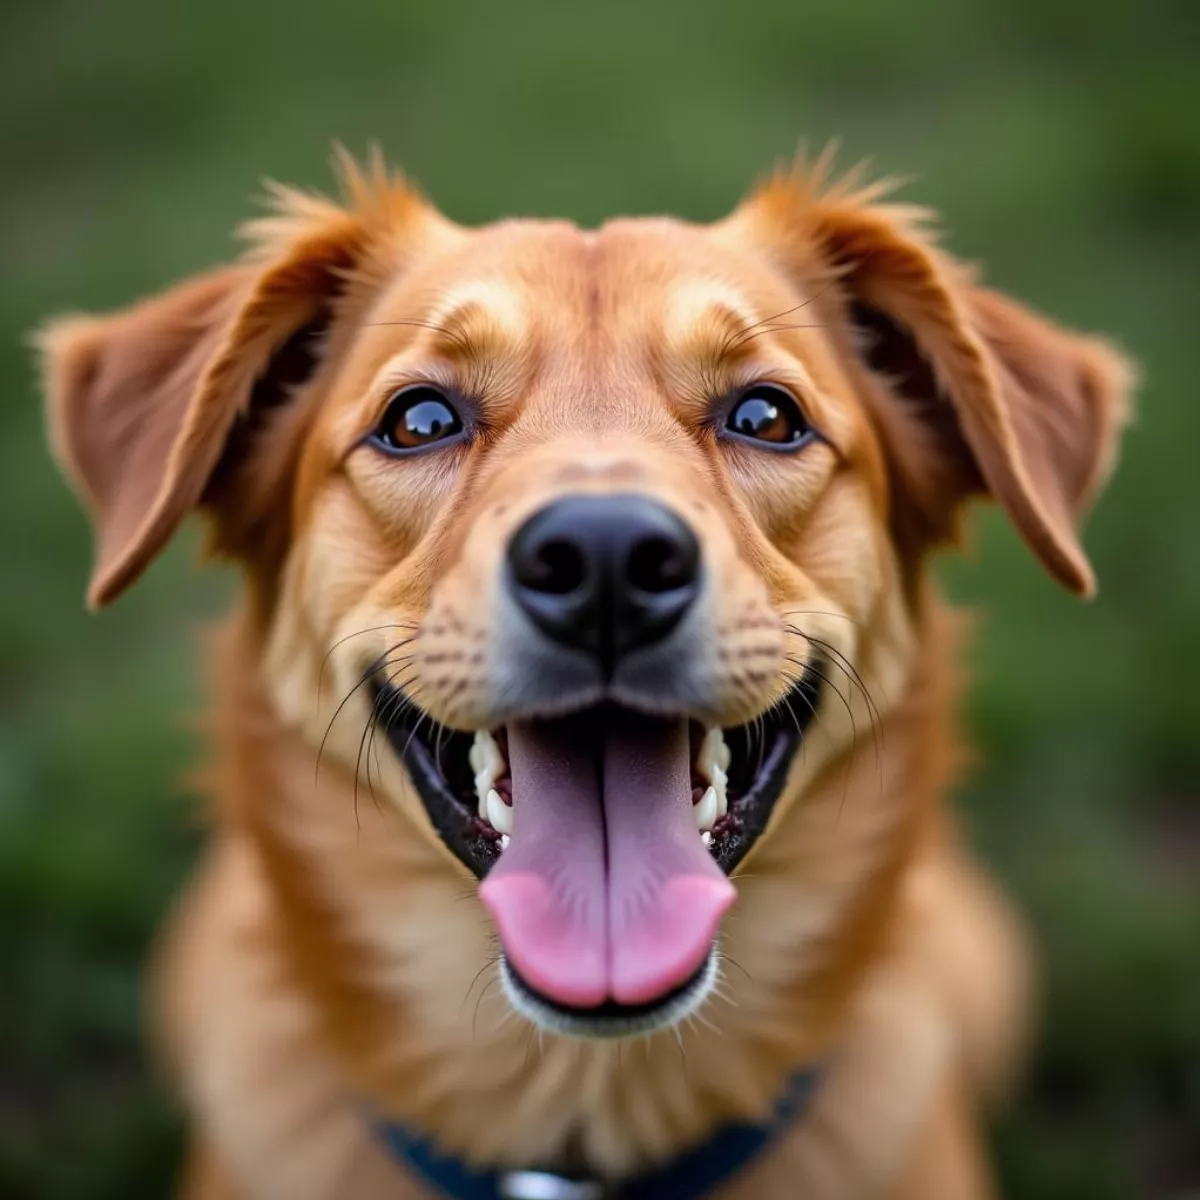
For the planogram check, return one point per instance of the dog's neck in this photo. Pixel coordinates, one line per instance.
(382, 933)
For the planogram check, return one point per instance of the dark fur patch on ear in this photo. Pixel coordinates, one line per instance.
(932, 465)
(891, 351)
(291, 365)
(246, 489)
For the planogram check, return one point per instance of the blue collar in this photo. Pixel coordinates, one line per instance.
(691, 1176)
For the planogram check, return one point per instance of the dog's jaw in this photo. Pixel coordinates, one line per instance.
(434, 1015)
(602, 941)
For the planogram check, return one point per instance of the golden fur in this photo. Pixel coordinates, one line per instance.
(331, 952)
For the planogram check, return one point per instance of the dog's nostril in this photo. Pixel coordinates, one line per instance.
(659, 564)
(606, 575)
(557, 567)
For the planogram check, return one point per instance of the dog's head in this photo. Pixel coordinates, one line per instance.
(593, 526)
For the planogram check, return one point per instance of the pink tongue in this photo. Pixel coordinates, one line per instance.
(606, 891)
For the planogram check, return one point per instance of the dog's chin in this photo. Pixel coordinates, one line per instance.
(692, 805)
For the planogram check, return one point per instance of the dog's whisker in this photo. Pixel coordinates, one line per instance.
(375, 667)
(809, 667)
(781, 329)
(743, 335)
(454, 335)
(818, 612)
(491, 962)
(437, 749)
(367, 726)
(678, 1032)
(725, 957)
(376, 717)
(479, 1002)
(855, 679)
(738, 337)
(832, 650)
(350, 636)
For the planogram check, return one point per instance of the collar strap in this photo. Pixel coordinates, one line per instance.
(690, 1176)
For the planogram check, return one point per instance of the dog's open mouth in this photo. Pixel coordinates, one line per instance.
(604, 840)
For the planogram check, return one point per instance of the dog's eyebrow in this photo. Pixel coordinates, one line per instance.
(471, 322)
(478, 318)
(708, 325)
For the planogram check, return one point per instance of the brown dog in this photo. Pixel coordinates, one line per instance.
(594, 565)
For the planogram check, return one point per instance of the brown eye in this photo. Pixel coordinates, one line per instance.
(768, 414)
(415, 418)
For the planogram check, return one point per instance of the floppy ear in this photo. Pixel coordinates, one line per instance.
(980, 394)
(142, 403)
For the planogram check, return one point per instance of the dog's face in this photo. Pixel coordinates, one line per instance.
(595, 536)
(595, 530)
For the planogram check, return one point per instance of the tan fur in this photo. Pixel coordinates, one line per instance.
(331, 954)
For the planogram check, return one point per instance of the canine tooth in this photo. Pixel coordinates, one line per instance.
(499, 815)
(504, 840)
(720, 783)
(706, 838)
(488, 764)
(706, 811)
(713, 752)
(712, 764)
(721, 752)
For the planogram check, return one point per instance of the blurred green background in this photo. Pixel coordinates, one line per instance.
(1060, 138)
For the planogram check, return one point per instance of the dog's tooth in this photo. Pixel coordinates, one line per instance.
(504, 840)
(712, 765)
(721, 753)
(720, 785)
(486, 755)
(713, 755)
(499, 815)
(706, 838)
(488, 764)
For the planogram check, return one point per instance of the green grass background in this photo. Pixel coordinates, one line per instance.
(1060, 138)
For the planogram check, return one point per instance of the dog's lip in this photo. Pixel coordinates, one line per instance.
(426, 747)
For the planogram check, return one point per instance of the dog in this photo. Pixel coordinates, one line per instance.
(582, 736)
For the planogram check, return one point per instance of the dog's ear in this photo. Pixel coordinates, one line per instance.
(978, 393)
(142, 403)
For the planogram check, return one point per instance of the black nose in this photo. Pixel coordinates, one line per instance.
(605, 574)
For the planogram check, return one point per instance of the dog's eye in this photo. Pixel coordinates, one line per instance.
(417, 417)
(766, 413)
